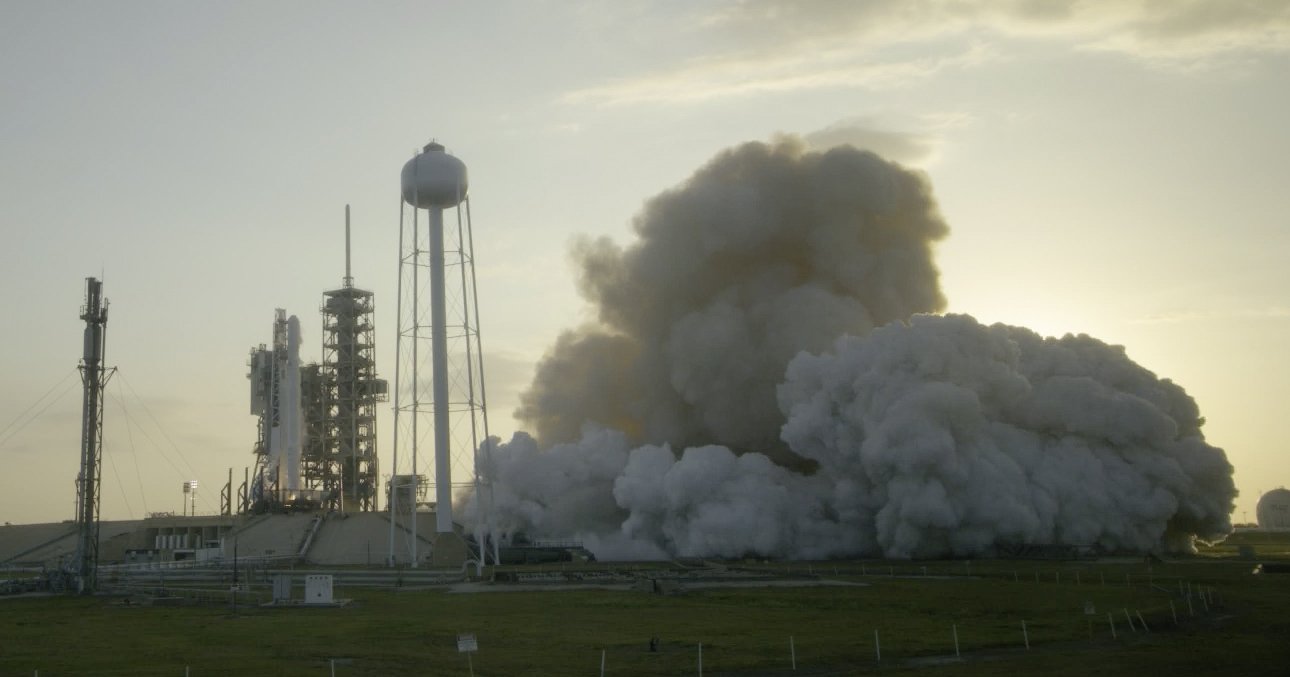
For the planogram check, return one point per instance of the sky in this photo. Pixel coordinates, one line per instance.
(1110, 168)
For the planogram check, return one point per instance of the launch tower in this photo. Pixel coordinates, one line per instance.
(351, 392)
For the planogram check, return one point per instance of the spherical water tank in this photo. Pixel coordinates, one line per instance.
(434, 179)
(1274, 510)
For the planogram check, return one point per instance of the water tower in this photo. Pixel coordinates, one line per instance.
(438, 338)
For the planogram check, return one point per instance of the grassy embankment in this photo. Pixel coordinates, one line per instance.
(743, 631)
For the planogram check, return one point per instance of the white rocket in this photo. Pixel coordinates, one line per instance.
(285, 438)
(291, 416)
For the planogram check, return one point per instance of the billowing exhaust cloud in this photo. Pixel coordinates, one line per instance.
(767, 251)
(764, 381)
(943, 436)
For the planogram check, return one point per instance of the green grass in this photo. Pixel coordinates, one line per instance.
(743, 631)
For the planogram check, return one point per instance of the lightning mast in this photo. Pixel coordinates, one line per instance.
(94, 377)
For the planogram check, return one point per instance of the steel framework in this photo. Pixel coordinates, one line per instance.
(439, 320)
(94, 377)
(351, 391)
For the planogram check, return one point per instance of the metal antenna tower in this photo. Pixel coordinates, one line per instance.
(94, 377)
(351, 391)
(441, 321)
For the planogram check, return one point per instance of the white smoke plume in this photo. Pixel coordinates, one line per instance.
(943, 436)
(763, 382)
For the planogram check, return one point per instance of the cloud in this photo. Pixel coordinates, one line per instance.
(1190, 31)
(1144, 28)
(725, 76)
(753, 47)
(907, 148)
(1180, 316)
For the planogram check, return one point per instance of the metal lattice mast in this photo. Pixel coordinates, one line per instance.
(94, 377)
(316, 471)
(352, 390)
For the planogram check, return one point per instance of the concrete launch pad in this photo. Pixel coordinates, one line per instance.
(323, 539)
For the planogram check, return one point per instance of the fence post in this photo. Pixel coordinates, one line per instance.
(792, 652)
(1025, 635)
(602, 663)
(956, 641)
(877, 646)
(700, 659)
(1111, 619)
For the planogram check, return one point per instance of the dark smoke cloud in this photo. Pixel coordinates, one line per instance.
(763, 381)
(766, 251)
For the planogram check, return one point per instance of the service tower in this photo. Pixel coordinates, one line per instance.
(351, 391)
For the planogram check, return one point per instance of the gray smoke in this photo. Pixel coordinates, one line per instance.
(944, 436)
(762, 382)
(766, 251)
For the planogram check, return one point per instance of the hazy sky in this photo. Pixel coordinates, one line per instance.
(1113, 168)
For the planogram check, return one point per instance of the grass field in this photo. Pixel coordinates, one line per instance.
(914, 606)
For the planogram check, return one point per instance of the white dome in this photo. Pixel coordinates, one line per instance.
(1274, 510)
(434, 179)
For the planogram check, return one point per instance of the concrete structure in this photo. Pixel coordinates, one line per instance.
(317, 538)
(1273, 511)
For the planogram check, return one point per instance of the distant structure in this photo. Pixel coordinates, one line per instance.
(349, 391)
(276, 396)
(94, 377)
(438, 317)
(316, 438)
(1273, 511)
